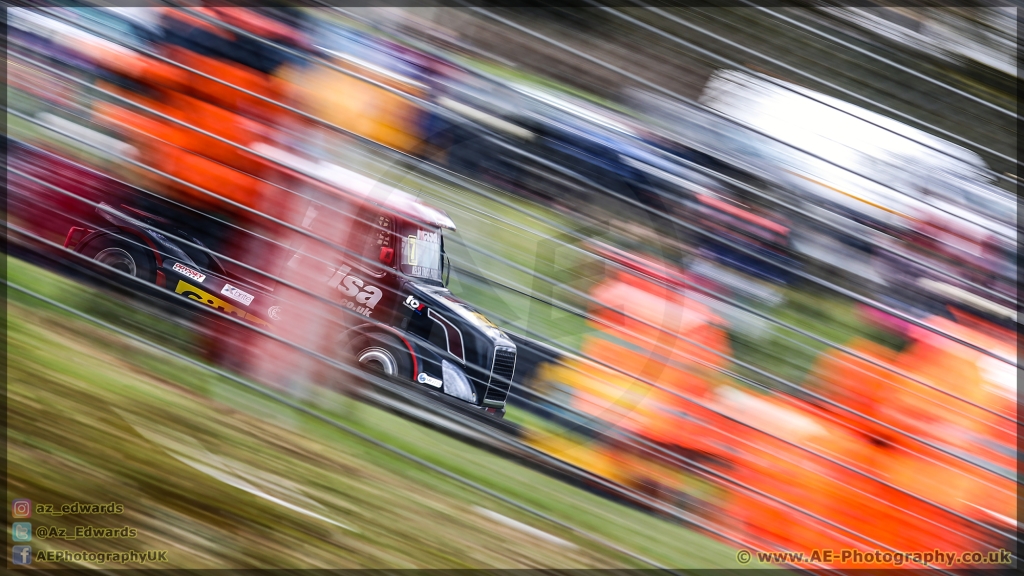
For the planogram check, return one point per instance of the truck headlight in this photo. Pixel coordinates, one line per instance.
(456, 383)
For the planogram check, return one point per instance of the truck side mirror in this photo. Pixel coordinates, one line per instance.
(386, 255)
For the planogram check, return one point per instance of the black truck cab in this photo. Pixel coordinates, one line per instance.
(447, 345)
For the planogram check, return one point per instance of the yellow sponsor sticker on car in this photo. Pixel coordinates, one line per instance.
(191, 292)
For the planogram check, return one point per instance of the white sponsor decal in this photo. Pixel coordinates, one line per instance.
(186, 271)
(425, 378)
(413, 303)
(274, 312)
(236, 294)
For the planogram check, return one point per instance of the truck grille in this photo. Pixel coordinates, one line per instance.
(501, 375)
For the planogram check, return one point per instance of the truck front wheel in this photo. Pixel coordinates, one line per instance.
(383, 354)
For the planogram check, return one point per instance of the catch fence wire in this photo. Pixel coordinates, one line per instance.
(616, 487)
(587, 297)
(757, 370)
(85, 83)
(613, 486)
(260, 214)
(724, 299)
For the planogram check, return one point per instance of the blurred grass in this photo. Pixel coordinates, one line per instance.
(526, 249)
(791, 355)
(95, 418)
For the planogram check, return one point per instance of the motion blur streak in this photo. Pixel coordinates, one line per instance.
(286, 282)
(576, 296)
(534, 334)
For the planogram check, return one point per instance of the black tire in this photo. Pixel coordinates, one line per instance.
(127, 254)
(382, 354)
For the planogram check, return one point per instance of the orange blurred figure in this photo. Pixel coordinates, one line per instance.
(793, 498)
(190, 97)
(897, 513)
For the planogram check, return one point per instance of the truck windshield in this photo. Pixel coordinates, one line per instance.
(421, 252)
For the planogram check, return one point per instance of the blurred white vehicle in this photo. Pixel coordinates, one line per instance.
(844, 157)
(875, 178)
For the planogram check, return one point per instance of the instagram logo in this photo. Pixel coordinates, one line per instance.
(21, 508)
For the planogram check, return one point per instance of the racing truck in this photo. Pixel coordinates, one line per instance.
(384, 278)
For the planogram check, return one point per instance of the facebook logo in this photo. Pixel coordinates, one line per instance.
(21, 554)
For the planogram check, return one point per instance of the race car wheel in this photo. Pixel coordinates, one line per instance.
(383, 354)
(123, 254)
